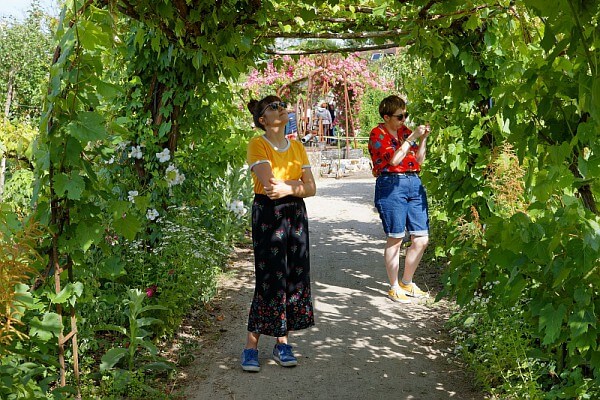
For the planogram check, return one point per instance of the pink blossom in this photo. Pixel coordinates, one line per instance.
(150, 291)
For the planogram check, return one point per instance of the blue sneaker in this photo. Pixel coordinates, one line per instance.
(282, 354)
(250, 360)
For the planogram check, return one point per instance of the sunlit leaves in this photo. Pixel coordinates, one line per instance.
(380, 10)
(92, 35)
(48, 327)
(528, 81)
(551, 320)
(87, 126)
(71, 185)
(112, 357)
(469, 63)
(112, 268)
(89, 232)
(68, 293)
(472, 23)
(591, 235)
(127, 226)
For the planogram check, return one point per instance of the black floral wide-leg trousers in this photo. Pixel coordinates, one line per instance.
(282, 299)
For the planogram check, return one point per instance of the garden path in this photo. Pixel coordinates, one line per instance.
(363, 345)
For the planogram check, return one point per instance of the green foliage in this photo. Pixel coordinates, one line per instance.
(25, 53)
(111, 162)
(497, 344)
(138, 350)
(119, 384)
(24, 379)
(527, 81)
(224, 204)
(29, 368)
(16, 142)
(18, 190)
(368, 115)
(137, 337)
(181, 266)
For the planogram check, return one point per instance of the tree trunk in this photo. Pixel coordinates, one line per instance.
(585, 191)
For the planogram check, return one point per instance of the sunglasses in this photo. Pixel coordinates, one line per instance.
(401, 117)
(274, 106)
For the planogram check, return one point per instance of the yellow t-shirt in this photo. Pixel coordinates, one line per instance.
(286, 163)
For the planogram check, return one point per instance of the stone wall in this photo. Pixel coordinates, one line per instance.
(332, 163)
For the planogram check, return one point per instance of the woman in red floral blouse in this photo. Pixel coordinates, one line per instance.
(400, 196)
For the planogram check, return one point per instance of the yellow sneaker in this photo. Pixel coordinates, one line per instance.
(413, 290)
(398, 296)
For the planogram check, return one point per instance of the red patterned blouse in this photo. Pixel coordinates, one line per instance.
(382, 146)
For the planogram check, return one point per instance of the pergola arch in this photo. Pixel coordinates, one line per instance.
(305, 101)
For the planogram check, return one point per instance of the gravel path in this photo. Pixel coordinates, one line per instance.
(363, 345)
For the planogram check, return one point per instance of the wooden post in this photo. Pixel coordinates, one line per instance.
(72, 335)
(347, 106)
(57, 288)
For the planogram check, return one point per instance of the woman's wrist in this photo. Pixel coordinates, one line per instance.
(400, 148)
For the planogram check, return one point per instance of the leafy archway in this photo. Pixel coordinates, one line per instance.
(132, 79)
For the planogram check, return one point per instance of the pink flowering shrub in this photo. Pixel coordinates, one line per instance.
(328, 75)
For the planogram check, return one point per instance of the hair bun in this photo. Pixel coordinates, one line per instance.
(252, 106)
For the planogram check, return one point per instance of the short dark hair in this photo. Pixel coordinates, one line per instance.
(390, 104)
(257, 108)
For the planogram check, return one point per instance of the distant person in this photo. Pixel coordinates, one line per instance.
(323, 118)
(291, 128)
(400, 196)
(282, 177)
(333, 122)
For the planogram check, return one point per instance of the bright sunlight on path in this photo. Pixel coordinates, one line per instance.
(363, 346)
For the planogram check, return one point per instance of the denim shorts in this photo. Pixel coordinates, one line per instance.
(402, 204)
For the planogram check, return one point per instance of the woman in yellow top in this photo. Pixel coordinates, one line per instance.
(282, 177)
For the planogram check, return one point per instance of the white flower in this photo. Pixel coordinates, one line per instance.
(173, 176)
(122, 146)
(136, 152)
(164, 155)
(151, 214)
(131, 195)
(237, 207)
(148, 121)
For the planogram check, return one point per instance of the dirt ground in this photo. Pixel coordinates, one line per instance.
(363, 346)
